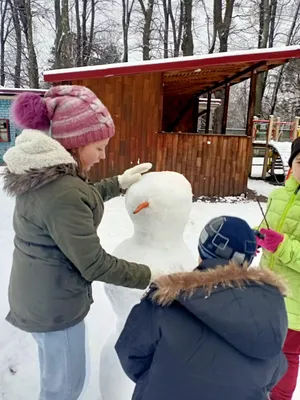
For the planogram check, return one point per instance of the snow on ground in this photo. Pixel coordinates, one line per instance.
(261, 187)
(19, 376)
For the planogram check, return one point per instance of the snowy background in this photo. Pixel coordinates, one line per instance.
(19, 375)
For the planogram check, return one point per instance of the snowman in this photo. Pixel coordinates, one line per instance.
(159, 206)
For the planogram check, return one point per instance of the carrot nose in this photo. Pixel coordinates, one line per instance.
(141, 206)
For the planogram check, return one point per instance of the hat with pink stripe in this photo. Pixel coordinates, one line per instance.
(75, 114)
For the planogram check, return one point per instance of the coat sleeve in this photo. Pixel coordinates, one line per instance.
(288, 253)
(69, 220)
(279, 373)
(108, 188)
(138, 341)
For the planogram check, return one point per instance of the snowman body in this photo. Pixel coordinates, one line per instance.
(159, 206)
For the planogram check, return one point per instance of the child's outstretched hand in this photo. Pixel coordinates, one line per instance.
(271, 240)
(133, 175)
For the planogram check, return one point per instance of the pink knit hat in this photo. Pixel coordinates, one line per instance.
(76, 115)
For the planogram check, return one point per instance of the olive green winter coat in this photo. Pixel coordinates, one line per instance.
(57, 250)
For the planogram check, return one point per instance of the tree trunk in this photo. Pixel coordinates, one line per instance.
(59, 35)
(24, 10)
(166, 9)
(66, 37)
(148, 14)
(187, 40)
(3, 37)
(265, 11)
(279, 76)
(18, 33)
(126, 16)
(92, 30)
(78, 35)
(84, 33)
(222, 28)
(177, 36)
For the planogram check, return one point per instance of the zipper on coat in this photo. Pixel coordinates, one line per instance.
(283, 217)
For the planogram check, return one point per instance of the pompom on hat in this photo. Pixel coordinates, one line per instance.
(74, 113)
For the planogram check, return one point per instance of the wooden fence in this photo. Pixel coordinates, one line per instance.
(216, 165)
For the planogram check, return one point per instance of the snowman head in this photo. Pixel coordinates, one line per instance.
(159, 204)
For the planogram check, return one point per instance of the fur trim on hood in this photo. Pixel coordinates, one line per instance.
(35, 160)
(16, 184)
(35, 150)
(186, 283)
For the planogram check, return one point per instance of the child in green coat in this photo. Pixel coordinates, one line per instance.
(281, 253)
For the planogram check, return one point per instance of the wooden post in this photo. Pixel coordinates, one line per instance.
(208, 109)
(251, 103)
(295, 131)
(195, 115)
(277, 129)
(225, 109)
(254, 128)
(268, 137)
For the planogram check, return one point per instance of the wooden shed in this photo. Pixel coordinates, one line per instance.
(155, 106)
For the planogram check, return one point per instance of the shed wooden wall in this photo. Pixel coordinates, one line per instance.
(216, 165)
(135, 103)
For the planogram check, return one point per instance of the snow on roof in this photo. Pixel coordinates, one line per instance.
(12, 91)
(178, 63)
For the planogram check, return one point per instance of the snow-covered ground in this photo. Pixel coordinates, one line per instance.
(19, 376)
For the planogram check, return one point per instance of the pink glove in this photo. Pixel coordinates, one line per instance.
(271, 241)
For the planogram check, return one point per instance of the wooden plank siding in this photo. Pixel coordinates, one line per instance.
(216, 165)
(135, 103)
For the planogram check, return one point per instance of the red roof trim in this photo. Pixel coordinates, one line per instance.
(15, 91)
(173, 64)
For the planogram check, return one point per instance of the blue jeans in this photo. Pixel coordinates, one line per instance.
(62, 357)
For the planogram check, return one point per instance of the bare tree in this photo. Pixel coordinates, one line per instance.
(23, 8)
(288, 42)
(222, 25)
(4, 31)
(166, 9)
(266, 35)
(221, 30)
(18, 38)
(187, 40)
(64, 37)
(147, 11)
(127, 6)
(78, 35)
(177, 27)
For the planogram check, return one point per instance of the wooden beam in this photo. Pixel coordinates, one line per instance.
(232, 78)
(251, 103)
(225, 109)
(181, 114)
(218, 85)
(195, 115)
(208, 109)
(268, 137)
(199, 114)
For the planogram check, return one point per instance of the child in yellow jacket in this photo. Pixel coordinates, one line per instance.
(281, 253)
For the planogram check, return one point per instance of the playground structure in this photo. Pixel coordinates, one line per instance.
(271, 140)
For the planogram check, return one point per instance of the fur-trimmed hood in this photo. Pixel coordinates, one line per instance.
(186, 283)
(18, 184)
(245, 306)
(35, 160)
